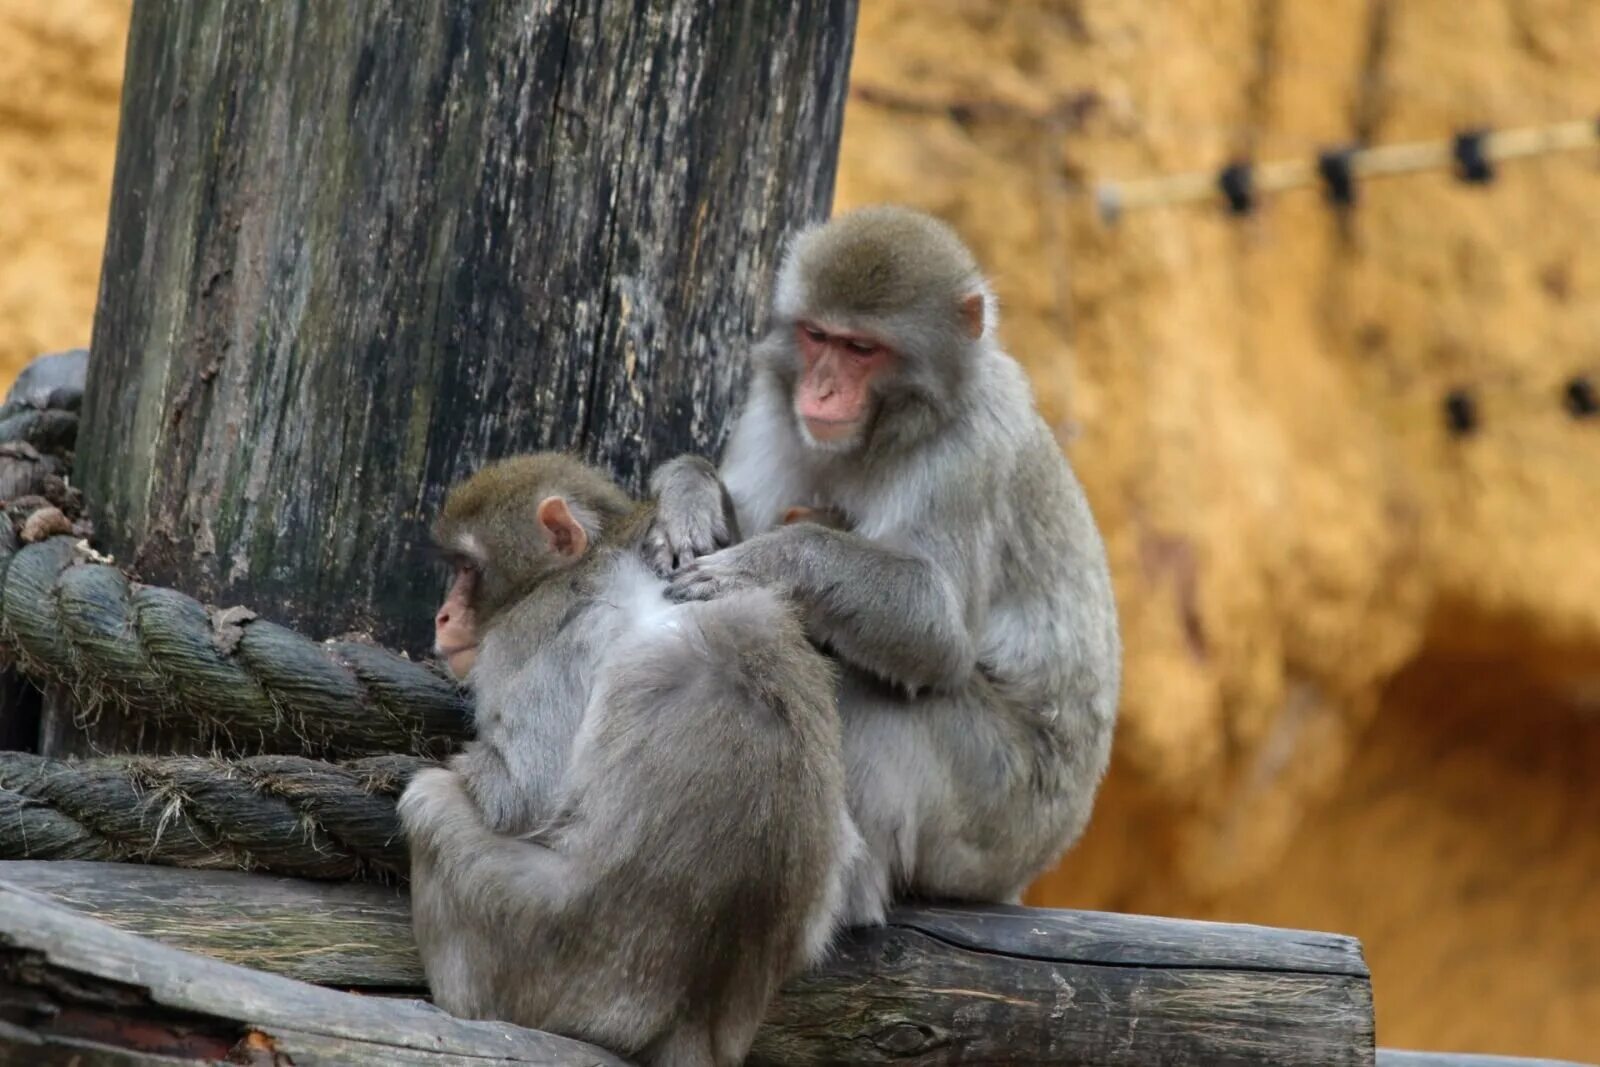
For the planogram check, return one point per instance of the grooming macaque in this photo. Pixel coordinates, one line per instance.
(966, 597)
(649, 834)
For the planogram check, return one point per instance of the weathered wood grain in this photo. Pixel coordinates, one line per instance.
(938, 985)
(73, 990)
(1138, 940)
(344, 934)
(895, 996)
(355, 250)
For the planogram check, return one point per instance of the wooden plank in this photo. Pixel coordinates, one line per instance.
(1393, 1057)
(74, 990)
(1138, 940)
(937, 985)
(896, 995)
(344, 934)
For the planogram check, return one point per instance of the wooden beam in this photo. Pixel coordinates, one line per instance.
(76, 991)
(348, 935)
(936, 985)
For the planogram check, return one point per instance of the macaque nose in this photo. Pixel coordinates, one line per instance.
(442, 619)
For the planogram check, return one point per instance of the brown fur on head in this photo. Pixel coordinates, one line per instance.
(879, 261)
(510, 525)
(880, 310)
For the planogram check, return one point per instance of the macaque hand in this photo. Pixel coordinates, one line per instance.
(723, 571)
(434, 798)
(708, 577)
(769, 559)
(691, 517)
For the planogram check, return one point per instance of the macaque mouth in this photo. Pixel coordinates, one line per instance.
(451, 653)
(830, 431)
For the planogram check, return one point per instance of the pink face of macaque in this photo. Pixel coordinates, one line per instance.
(455, 627)
(834, 396)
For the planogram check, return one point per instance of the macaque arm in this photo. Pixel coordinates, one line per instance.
(890, 611)
(481, 868)
(694, 514)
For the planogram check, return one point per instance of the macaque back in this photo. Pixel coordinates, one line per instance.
(692, 859)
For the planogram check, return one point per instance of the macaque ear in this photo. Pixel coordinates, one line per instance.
(972, 314)
(561, 531)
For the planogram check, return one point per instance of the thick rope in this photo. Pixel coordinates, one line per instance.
(243, 684)
(250, 684)
(283, 814)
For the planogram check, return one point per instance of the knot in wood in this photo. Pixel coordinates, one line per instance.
(906, 1037)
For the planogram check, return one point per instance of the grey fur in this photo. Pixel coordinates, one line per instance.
(703, 514)
(970, 603)
(648, 836)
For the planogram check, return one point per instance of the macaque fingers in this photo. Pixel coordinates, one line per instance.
(693, 516)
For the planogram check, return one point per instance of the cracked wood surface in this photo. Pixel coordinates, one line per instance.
(76, 991)
(937, 985)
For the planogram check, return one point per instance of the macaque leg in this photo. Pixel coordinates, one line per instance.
(935, 795)
(687, 1046)
(884, 750)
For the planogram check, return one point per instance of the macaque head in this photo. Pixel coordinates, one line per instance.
(508, 527)
(879, 311)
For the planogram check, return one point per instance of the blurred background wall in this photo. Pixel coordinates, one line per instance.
(60, 80)
(1363, 652)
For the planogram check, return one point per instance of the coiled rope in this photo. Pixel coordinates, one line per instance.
(284, 814)
(252, 684)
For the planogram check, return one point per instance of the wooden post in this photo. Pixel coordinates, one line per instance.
(357, 249)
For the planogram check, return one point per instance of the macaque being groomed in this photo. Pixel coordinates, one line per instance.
(648, 836)
(966, 597)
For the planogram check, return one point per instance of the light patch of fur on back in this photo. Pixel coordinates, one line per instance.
(640, 598)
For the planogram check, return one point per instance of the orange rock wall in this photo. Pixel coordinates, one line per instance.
(1363, 656)
(60, 80)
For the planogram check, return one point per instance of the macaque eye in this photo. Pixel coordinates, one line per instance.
(815, 334)
(861, 348)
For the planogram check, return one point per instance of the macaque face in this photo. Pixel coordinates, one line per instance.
(834, 398)
(455, 627)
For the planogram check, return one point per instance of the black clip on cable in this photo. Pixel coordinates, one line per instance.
(1472, 166)
(1338, 180)
(1238, 187)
